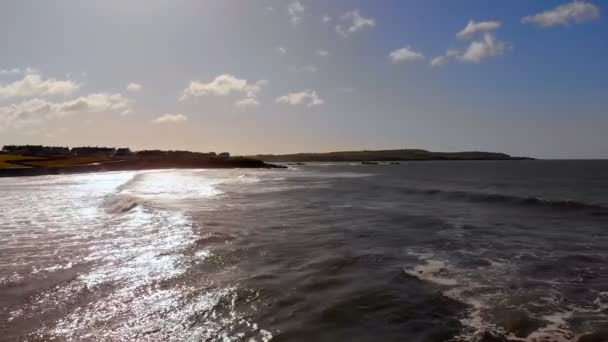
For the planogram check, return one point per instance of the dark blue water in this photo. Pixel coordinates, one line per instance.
(422, 251)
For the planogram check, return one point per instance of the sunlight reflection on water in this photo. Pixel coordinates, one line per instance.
(113, 223)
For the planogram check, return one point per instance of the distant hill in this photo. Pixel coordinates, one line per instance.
(384, 155)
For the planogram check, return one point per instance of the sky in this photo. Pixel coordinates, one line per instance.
(522, 77)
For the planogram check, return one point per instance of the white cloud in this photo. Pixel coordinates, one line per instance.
(326, 18)
(322, 53)
(481, 49)
(33, 85)
(476, 27)
(224, 85)
(281, 50)
(404, 55)
(268, 9)
(484, 47)
(134, 87)
(37, 110)
(98, 102)
(25, 113)
(307, 97)
(441, 60)
(247, 102)
(295, 10)
(169, 118)
(574, 12)
(352, 22)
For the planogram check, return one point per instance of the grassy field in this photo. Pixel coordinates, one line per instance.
(5, 161)
(66, 162)
(6, 158)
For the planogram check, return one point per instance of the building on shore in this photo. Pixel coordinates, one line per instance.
(124, 153)
(110, 152)
(36, 150)
(93, 151)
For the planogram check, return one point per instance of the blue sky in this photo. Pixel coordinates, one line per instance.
(265, 76)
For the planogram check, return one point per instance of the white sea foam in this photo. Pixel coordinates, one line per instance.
(246, 178)
(118, 224)
(174, 185)
(557, 329)
(432, 271)
(202, 254)
(52, 268)
(481, 288)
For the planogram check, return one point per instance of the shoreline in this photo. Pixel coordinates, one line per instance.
(384, 156)
(138, 165)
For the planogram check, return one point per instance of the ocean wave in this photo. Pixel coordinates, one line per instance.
(52, 268)
(432, 271)
(176, 314)
(562, 204)
(170, 186)
(246, 178)
(118, 204)
(329, 175)
(495, 312)
(119, 201)
(131, 243)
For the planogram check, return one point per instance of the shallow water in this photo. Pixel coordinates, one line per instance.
(422, 251)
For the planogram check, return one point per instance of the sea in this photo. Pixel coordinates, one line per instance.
(416, 251)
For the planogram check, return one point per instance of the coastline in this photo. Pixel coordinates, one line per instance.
(384, 156)
(38, 160)
(137, 165)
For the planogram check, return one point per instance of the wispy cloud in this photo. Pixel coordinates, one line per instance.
(352, 22)
(476, 27)
(247, 103)
(34, 85)
(307, 97)
(443, 59)
(169, 118)
(223, 85)
(37, 109)
(134, 87)
(574, 12)
(405, 55)
(487, 47)
(322, 53)
(13, 71)
(18, 71)
(295, 10)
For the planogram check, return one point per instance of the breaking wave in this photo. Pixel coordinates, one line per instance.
(498, 312)
(561, 204)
